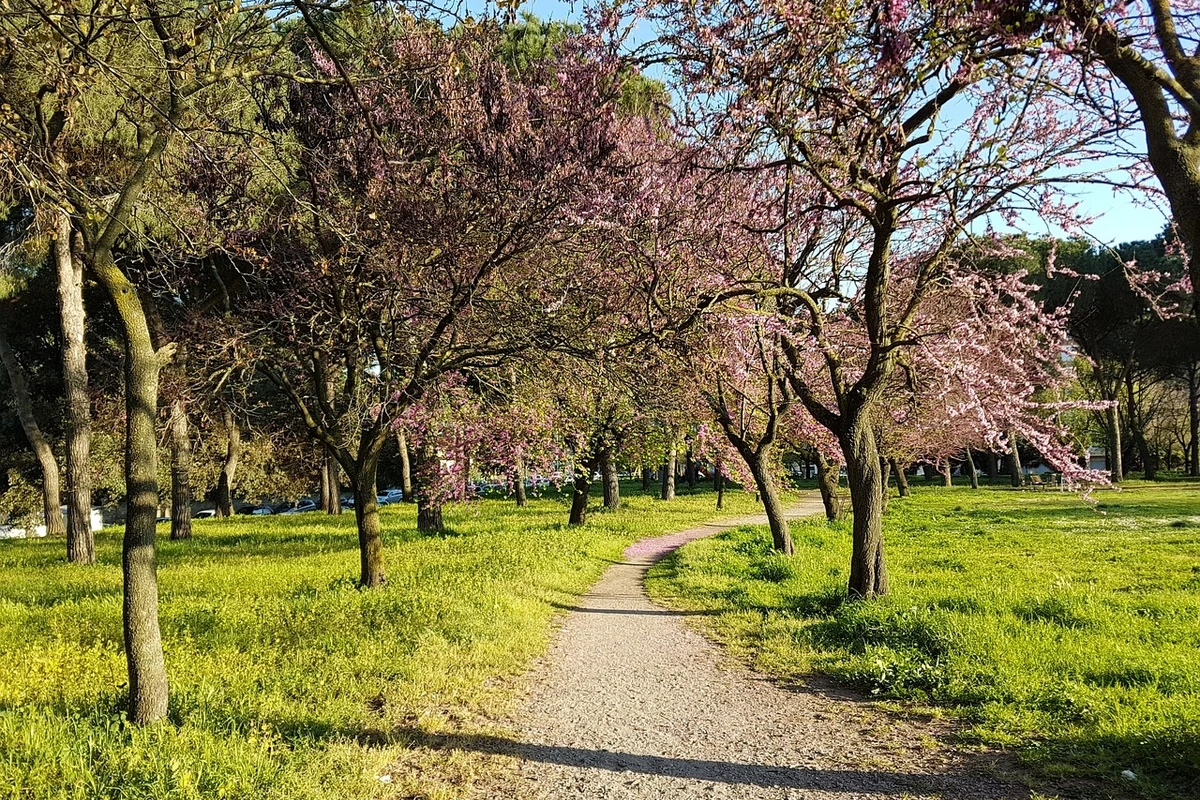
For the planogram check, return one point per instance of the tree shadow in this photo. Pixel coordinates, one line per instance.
(631, 611)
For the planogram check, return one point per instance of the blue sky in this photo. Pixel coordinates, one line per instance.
(1119, 218)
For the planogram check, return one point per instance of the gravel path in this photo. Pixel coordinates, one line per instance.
(630, 703)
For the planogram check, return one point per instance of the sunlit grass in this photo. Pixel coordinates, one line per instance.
(1069, 633)
(288, 681)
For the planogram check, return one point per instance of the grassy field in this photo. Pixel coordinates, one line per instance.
(1067, 633)
(287, 681)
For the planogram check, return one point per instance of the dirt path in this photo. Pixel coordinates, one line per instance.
(632, 704)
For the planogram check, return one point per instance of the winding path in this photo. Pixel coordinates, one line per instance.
(631, 703)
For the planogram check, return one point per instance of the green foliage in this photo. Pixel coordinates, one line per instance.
(1065, 631)
(287, 681)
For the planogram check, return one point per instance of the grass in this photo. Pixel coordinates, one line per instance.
(288, 681)
(1067, 633)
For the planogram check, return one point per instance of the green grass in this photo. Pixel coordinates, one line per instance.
(287, 681)
(1068, 633)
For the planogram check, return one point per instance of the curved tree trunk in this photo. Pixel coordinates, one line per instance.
(612, 483)
(1014, 462)
(868, 569)
(81, 545)
(971, 472)
(581, 487)
(668, 476)
(901, 478)
(51, 508)
(181, 473)
(233, 451)
(827, 482)
(148, 688)
(760, 469)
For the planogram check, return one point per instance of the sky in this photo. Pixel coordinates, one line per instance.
(1118, 217)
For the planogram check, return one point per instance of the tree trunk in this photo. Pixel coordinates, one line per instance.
(971, 473)
(1138, 428)
(647, 477)
(1194, 419)
(719, 483)
(406, 482)
(81, 546)
(827, 482)
(580, 489)
(993, 466)
(1014, 462)
(901, 478)
(885, 470)
(1115, 468)
(690, 471)
(612, 482)
(233, 451)
(668, 480)
(868, 570)
(366, 510)
(947, 476)
(760, 468)
(429, 505)
(181, 473)
(519, 483)
(51, 507)
(148, 690)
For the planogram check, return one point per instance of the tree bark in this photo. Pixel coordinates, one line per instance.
(406, 482)
(1194, 419)
(885, 470)
(233, 451)
(366, 511)
(827, 482)
(947, 476)
(148, 690)
(612, 482)
(581, 487)
(429, 505)
(668, 480)
(690, 471)
(760, 468)
(868, 569)
(901, 478)
(181, 472)
(519, 483)
(719, 482)
(81, 545)
(1115, 468)
(1138, 427)
(971, 473)
(993, 466)
(1014, 462)
(647, 477)
(51, 507)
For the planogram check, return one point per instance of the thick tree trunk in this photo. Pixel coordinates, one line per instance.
(647, 477)
(868, 569)
(971, 473)
(947, 476)
(406, 482)
(233, 451)
(429, 514)
(51, 507)
(581, 487)
(1015, 473)
(993, 466)
(760, 469)
(1115, 468)
(366, 512)
(827, 482)
(668, 477)
(81, 546)
(901, 478)
(181, 473)
(612, 482)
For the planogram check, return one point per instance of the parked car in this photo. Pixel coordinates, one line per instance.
(206, 513)
(300, 507)
(392, 496)
(255, 510)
